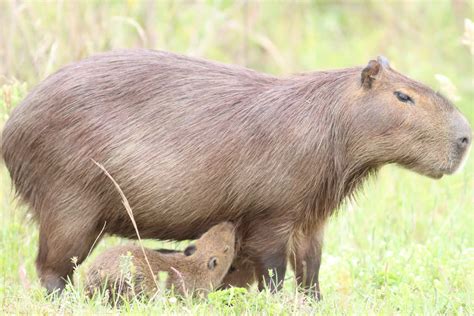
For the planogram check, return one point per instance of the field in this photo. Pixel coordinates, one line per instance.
(405, 246)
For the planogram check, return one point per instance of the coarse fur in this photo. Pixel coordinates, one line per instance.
(193, 143)
(199, 270)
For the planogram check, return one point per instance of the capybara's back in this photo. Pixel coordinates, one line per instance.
(138, 108)
(193, 143)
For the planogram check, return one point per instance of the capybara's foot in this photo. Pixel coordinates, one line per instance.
(312, 292)
(315, 294)
(53, 282)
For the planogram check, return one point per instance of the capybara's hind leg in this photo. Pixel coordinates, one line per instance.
(61, 246)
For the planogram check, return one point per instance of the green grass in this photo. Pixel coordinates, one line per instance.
(405, 247)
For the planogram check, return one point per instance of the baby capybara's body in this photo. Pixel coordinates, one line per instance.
(193, 143)
(201, 268)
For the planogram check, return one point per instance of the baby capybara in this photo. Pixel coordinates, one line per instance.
(201, 268)
(193, 143)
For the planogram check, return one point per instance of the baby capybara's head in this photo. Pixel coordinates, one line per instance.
(215, 249)
(398, 120)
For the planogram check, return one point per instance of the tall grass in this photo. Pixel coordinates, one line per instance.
(407, 244)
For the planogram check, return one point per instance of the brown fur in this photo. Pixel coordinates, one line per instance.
(193, 143)
(186, 274)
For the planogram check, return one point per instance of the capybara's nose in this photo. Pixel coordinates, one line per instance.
(463, 132)
(464, 141)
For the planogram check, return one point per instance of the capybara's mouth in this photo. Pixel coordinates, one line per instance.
(438, 173)
(454, 166)
(436, 176)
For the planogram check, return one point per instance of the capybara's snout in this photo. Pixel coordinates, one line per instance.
(462, 139)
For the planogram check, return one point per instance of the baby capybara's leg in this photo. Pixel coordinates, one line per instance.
(62, 241)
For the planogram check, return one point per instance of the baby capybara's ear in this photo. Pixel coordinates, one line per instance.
(370, 73)
(190, 250)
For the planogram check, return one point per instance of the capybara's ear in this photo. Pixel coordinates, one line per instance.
(369, 73)
(383, 61)
(190, 250)
(212, 263)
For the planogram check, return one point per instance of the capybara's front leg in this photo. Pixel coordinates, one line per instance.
(306, 260)
(58, 245)
(271, 269)
(267, 246)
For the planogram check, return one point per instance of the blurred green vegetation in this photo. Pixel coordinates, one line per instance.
(405, 247)
(420, 38)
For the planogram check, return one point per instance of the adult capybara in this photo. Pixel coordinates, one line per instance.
(193, 143)
(201, 268)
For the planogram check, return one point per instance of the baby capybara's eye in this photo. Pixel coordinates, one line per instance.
(212, 264)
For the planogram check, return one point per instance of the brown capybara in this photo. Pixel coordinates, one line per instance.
(193, 143)
(201, 268)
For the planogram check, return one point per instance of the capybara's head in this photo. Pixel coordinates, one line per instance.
(215, 249)
(397, 120)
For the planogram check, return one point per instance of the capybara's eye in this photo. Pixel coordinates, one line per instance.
(191, 249)
(403, 97)
(212, 263)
